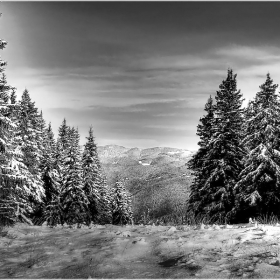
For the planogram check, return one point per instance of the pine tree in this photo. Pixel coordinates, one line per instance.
(7, 175)
(63, 136)
(13, 96)
(196, 164)
(50, 178)
(122, 213)
(31, 139)
(54, 174)
(73, 199)
(63, 142)
(258, 187)
(223, 161)
(48, 165)
(53, 213)
(92, 177)
(11, 178)
(106, 201)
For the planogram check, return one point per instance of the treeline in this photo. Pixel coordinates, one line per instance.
(43, 179)
(237, 166)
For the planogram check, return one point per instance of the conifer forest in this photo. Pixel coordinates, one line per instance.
(50, 180)
(236, 170)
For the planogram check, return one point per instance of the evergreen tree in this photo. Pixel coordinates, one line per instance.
(258, 187)
(50, 178)
(11, 178)
(73, 199)
(53, 212)
(7, 174)
(63, 142)
(122, 213)
(31, 139)
(13, 96)
(223, 161)
(92, 177)
(48, 166)
(106, 201)
(196, 164)
(63, 136)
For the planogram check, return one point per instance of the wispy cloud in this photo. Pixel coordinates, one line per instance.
(139, 75)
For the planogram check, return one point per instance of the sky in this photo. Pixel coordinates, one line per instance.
(139, 72)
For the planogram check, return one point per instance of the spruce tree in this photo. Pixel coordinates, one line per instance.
(63, 136)
(91, 177)
(50, 178)
(31, 139)
(12, 179)
(13, 96)
(106, 200)
(54, 176)
(61, 147)
(196, 164)
(223, 161)
(122, 210)
(258, 188)
(8, 201)
(48, 166)
(74, 201)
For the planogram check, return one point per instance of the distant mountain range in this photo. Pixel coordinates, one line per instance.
(147, 156)
(155, 176)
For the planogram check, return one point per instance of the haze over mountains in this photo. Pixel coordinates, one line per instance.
(157, 178)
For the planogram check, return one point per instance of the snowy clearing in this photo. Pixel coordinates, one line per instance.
(140, 252)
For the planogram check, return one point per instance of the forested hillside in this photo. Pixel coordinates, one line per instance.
(157, 178)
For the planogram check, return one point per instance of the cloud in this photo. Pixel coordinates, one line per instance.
(136, 81)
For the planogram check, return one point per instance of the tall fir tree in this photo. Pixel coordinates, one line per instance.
(50, 178)
(49, 167)
(196, 164)
(8, 199)
(122, 210)
(61, 146)
(92, 178)
(223, 161)
(63, 136)
(12, 179)
(31, 139)
(73, 199)
(258, 190)
(106, 200)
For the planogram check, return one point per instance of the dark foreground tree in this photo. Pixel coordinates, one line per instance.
(74, 201)
(8, 201)
(92, 178)
(31, 141)
(222, 161)
(258, 190)
(196, 164)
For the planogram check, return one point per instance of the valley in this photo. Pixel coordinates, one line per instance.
(157, 178)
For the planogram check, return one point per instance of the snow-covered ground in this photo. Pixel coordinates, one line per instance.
(173, 153)
(140, 252)
(144, 163)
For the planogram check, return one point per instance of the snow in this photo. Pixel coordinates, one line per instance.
(173, 153)
(141, 252)
(144, 163)
(183, 153)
